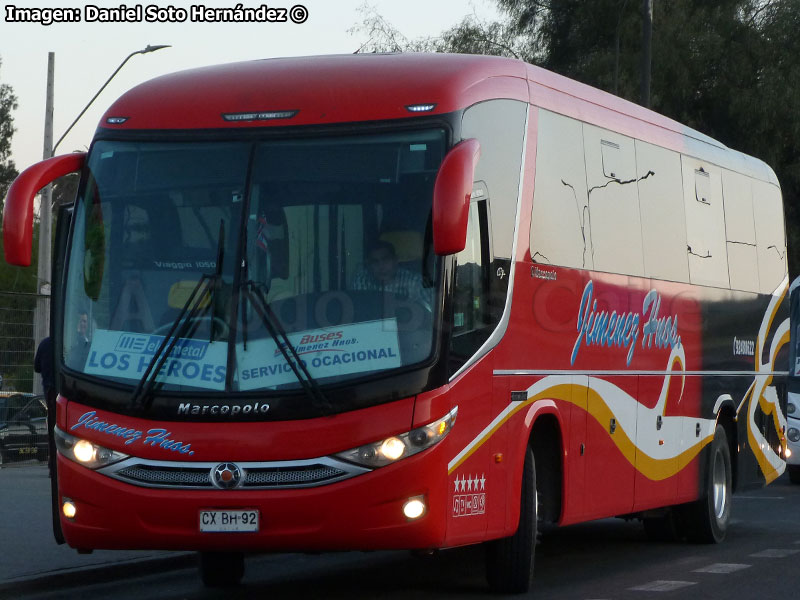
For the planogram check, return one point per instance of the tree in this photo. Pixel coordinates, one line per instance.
(730, 69)
(470, 36)
(8, 103)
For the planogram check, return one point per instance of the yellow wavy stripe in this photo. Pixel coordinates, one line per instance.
(768, 408)
(657, 470)
(774, 314)
(769, 472)
(481, 440)
(488, 434)
(652, 468)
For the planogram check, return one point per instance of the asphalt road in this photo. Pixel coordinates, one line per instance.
(609, 559)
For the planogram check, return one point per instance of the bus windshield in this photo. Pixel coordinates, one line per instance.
(322, 244)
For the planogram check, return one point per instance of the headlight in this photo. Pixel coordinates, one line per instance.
(389, 450)
(84, 452)
(790, 408)
(793, 434)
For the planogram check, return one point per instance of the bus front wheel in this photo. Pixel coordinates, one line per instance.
(221, 569)
(509, 561)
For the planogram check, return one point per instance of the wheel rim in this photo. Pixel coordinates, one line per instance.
(720, 486)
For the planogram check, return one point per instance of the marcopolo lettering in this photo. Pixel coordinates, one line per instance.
(223, 410)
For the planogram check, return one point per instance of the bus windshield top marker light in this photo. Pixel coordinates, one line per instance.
(260, 116)
(415, 108)
(116, 120)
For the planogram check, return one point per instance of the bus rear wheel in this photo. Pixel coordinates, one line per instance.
(221, 569)
(509, 561)
(706, 520)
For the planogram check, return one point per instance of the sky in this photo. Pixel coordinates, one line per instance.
(87, 53)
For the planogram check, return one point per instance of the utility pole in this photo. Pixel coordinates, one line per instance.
(647, 43)
(41, 318)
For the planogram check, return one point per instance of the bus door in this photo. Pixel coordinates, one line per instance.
(658, 436)
(610, 449)
(575, 500)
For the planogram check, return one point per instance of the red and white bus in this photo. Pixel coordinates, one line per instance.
(406, 302)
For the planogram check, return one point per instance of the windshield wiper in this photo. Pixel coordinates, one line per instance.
(142, 395)
(255, 293)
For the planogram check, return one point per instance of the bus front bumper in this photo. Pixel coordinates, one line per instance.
(364, 512)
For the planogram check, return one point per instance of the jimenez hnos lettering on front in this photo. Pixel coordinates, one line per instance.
(356, 348)
(156, 437)
(197, 363)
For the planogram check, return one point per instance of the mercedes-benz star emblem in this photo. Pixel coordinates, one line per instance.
(226, 476)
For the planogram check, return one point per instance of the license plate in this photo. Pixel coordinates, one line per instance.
(228, 520)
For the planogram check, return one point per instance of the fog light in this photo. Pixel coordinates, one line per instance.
(793, 434)
(68, 508)
(414, 508)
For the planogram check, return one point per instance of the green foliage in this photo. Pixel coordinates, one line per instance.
(470, 36)
(8, 102)
(17, 284)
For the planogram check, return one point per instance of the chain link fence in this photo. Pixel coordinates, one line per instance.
(23, 415)
(17, 341)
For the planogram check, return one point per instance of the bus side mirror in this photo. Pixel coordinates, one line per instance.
(451, 193)
(18, 209)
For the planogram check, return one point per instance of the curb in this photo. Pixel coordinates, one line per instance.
(76, 576)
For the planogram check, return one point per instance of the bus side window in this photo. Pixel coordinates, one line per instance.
(473, 322)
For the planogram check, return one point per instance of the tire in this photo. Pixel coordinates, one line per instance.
(794, 473)
(221, 569)
(706, 520)
(509, 561)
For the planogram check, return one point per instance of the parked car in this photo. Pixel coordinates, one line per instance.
(23, 427)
